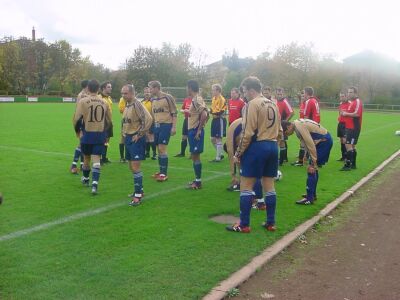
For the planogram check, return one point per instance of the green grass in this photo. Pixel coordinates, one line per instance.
(166, 248)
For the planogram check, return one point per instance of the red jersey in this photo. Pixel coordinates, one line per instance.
(285, 110)
(355, 106)
(235, 109)
(301, 111)
(186, 104)
(311, 110)
(343, 106)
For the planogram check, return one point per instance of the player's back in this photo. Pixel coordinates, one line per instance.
(96, 118)
(267, 115)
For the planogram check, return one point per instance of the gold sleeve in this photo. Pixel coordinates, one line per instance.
(249, 128)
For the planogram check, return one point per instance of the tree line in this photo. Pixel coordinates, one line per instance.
(56, 68)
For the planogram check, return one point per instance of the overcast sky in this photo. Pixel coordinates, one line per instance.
(109, 31)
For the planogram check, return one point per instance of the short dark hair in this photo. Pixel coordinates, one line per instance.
(130, 86)
(252, 82)
(267, 88)
(285, 124)
(235, 89)
(84, 83)
(280, 89)
(309, 91)
(355, 90)
(193, 85)
(155, 84)
(93, 86)
(217, 86)
(104, 84)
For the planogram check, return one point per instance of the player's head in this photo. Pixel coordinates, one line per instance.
(192, 87)
(155, 87)
(93, 86)
(242, 94)
(84, 84)
(267, 92)
(280, 93)
(146, 93)
(216, 90)
(287, 127)
(235, 93)
(352, 92)
(308, 92)
(342, 96)
(128, 92)
(251, 87)
(106, 88)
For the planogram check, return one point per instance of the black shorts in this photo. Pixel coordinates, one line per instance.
(92, 149)
(352, 136)
(185, 127)
(341, 130)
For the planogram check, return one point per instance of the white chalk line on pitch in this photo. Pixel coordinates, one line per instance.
(91, 212)
(65, 154)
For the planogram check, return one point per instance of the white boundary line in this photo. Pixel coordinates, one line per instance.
(91, 212)
(65, 154)
(240, 276)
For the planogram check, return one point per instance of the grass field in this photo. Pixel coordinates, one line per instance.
(57, 241)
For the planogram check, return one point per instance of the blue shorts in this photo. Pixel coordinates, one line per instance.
(151, 130)
(135, 151)
(196, 146)
(162, 133)
(92, 149)
(218, 127)
(260, 160)
(324, 150)
(185, 127)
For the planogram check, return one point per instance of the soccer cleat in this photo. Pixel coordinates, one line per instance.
(74, 170)
(237, 228)
(261, 206)
(147, 155)
(297, 164)
(222, 156)
(194, 185)
(268, 227)
(136, 199)
(305, 196)
(85, 181)
(122, 160)
(162, 177)
(180, 155)
(154, 157)
(233, 188)
(155, 175)
(94, 190)
(215, 160)
(304, 201)
(345, 168)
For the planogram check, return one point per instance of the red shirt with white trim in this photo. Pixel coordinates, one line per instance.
(343, 106)
(355, 106)
(235, 107)
(285, 110)
(311, 110)
(185, 105)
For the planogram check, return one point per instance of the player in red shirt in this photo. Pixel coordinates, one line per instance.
(353, 120)
(311, 106)
(235, 106)
(300, 159)
(341, 128)
(185, 111)
(286, 112)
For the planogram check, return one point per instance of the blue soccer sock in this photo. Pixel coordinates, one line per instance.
(197, 169)
(258, 189)
(86, 172)
(316, 183)
(77, 155)
(311, 185)
(95, 174)
(246, 200)
(163, 161)
(270, 202)
(138, 182)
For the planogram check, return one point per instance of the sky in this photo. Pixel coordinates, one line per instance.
(109, 31)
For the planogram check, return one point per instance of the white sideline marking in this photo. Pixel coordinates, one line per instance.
(89, 213)
(65, 154)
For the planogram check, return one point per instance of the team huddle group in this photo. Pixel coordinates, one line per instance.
(259, 126)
